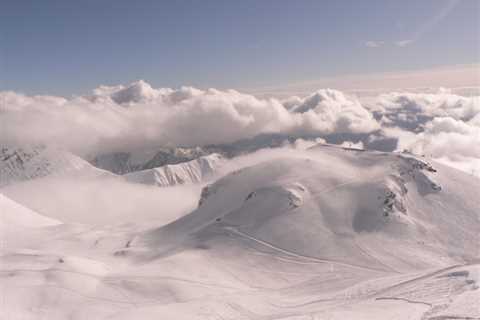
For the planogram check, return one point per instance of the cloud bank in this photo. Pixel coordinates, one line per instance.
(115, 118)
(441, 125)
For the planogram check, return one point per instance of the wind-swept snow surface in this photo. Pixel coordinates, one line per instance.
(342, 205)
(327, 233)
(29, 162)
(193, 171)
(14, 215)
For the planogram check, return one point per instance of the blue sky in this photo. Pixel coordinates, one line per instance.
(67, 47)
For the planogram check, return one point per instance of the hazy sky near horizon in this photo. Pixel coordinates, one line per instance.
(66, 47)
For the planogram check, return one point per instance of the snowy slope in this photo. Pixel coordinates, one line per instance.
(137, 160)
(25, 163)
(369, 209)
(13, 215)
(193, 171)
(328, 233)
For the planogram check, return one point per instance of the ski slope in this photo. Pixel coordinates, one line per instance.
(327, 233)
(341, 204)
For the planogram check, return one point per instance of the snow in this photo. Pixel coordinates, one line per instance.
(324, 233)
(103, 200)
(15, 215)
(28, 162)
(144, 158)
(193, 171)
(338, 197)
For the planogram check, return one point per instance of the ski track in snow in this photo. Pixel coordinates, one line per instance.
(72, 271)
(293, 254)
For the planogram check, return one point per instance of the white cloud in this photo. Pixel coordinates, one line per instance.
(412, 110)
(442, 125)
(447, 140)
(115, 118)
(447, 137)
(116, 199)
(467, 164)
(374, 44)
(403, 43)
(331, 111)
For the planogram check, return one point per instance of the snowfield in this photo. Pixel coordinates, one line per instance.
(193, 171)
(324, 233)
(23, 164)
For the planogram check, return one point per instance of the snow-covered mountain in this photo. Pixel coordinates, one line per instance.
(388, 211)
(193, 171)
(136, 160)
(326, 233)
(127, 161)
(130, 161)
(30, 162)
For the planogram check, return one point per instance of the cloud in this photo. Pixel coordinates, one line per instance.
(137, 115)
(429, 24)
(115, 198)
(445, 137)
(449, 132)
(441, 124)
(403, 43)
(330, 111)
(413, 110)
(374, 44)
(452, 142)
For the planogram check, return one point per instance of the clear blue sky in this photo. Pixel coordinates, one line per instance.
(68, 47)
